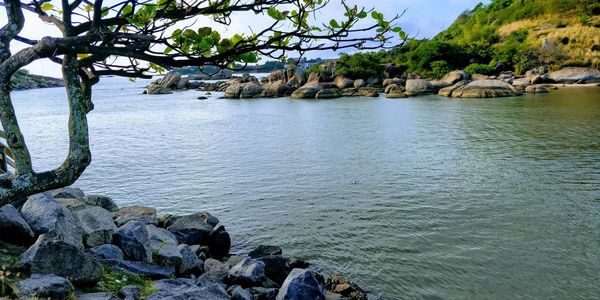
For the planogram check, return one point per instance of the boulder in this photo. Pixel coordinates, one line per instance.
(163, 245)
(393, 88)
(359, 83)
(396, 81)
(485, 89)
(70, 203)
(190, 261)
(178, 289)
(101, 201)
(396, 94)
(447, 91)
(349, 92)
(275, 89)
(216, 269)
(170, 80)
(107, 251)
(576, 75)
(438, 85)
(193, 229)
(300, 284)
(240, 293)
(44, 287)
(342, 82)
(307, 91)
(313, 77)
(479, 77)
(415, 87)
(133, 238)
(50, 255)
(46, 216)
(13, 228)
(327, 71)
(328, 94)
(98, 296)
(233, 91)
(219, 242)
(368, 92)
(97, 223)
(182, 83)
(155, 89)
(340, 285)
(131, 292)
(251, 90)
(69, 193)
(276, 268)
(265, 250)
(455, 76)
(520, 82)
(248, 272)
(278, 75)
(536, 89)
(140, 268)
(143, 214)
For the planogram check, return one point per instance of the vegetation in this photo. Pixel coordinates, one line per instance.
(135, 38)
(113, 282)
(359, 66)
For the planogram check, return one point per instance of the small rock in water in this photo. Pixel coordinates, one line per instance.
(202, 98)
(265, 250)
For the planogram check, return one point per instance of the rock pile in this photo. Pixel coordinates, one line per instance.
(74, 239)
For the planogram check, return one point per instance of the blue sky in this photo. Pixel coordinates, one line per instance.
(423, 18)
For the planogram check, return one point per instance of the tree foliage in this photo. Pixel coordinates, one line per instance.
(133, 38)
(359, 65)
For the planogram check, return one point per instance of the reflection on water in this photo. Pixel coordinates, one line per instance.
(429, 197)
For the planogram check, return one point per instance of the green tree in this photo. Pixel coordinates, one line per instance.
(132, 38)
(359, 66)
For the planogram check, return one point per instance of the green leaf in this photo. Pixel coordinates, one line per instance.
(127, 9)
(275, 14)
(168, 50)
(104, 11)
(334, 24)
(47, 6)
(89, 8)
(204, 31)
(362, 15)
(215, 36)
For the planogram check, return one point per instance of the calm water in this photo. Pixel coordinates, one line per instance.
(425, 198)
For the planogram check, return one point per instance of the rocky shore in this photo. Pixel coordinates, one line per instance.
(325, 84)
(22, 80)
(67, 245)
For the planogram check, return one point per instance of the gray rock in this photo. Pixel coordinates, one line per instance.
(342, 82)
(521, 82)
(536, 89)
(46, 216)
(97, 223)
(368, 92)
(193, 229)
(265, 250)
(133, 238)
(155, 89)
(44, 286)
(300, 285)
(485, 89)
(307, 91)
(190, 261)
(359, 83)
(455, 76)
(447, 91)
(415, 87)
(239, 293)
(131, 292)
(262, 293)
(216, 269)
(108, 251)
(50, 255)
(251, 90)
(276, 268)
(98, 296)
(70, 203)
(219, 242)
(101, 201)
(163, 245)
(135, 213)
(13, 228)
(207, 280)
(183, 290)
(69, 192)
(248, 271)
(140, 268)
(328, 94)
(576, 75)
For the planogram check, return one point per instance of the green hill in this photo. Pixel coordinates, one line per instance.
(518, 34)
(23, 80)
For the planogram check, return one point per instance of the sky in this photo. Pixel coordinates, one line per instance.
(422, 19)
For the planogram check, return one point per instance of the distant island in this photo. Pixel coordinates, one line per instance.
(23, 80)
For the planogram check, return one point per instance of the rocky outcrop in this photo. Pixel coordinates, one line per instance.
(485, 89)
(328, 94)
(447, 91)
(415, 87)
(307, 91)
(455, 76)
(275, 89)
(576, 75)
(246, 90)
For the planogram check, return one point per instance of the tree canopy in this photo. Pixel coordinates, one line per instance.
(134, 38)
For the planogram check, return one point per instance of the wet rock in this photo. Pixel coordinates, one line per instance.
(248, 272)
(219, 242)
(485, 89)
(143, 214)
(216, 269)
(251, 90)
(455, 76)
(438, 85)
(576, 75)
(98, 296)
(299, 264)
(360, 83)
(300, 284)
(447, 91)
(46, 216)
(101, 201)
(415, 87)
(131, 292)
(275, 89)
(97, 224)
(340, 285)
(69, 193)
(328, 94)
(307, 91)
(13, 228)
(193, 229)
(536, 89)
(349, 92)
(154, 89)
(368, 92)
(262, 293)
(265, 250)
(44, 286)
(393, 88)
(396, 81)
(190, 261)
(107, 251)
(342, 82)
(163, 245)
(140, 268)
(50, 255)
(133, 238)
(396, 94)
(276, 268)
(239, 293)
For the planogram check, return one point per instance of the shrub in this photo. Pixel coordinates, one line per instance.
(359, 66)
(479, 69)
(439, 68)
